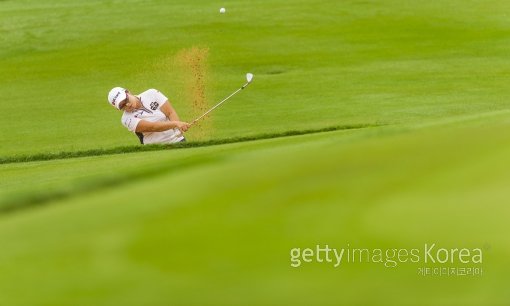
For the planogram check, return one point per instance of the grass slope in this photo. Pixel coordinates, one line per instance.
(157, 147)
(225, 227)
(51, 180)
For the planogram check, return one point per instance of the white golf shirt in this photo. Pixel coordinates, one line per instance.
(152, 100)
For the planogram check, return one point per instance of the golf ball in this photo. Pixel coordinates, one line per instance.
(222, 10)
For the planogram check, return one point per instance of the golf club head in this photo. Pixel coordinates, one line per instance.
(249, 77)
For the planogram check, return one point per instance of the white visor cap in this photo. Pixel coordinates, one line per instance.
(116, 95)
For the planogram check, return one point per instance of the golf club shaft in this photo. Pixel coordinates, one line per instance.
(214, 107)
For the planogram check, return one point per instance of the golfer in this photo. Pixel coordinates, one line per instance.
(149, 115)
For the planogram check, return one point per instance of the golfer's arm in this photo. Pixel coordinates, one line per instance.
(147, 126)
(169, 111)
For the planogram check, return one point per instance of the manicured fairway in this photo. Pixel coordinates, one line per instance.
(369, 124)
(316, 64)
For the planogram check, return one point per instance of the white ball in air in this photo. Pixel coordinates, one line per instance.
(222, 10)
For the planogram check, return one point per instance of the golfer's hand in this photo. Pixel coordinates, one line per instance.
(182, 126)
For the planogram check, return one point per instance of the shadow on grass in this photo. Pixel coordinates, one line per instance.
(15, 203)
(146, 148)
(20, 202)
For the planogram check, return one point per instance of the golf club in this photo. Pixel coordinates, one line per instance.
(249, 79)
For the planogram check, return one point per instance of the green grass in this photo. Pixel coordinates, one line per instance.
(228, 230)
(374, 124)
(158, 147)
(316, 63)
